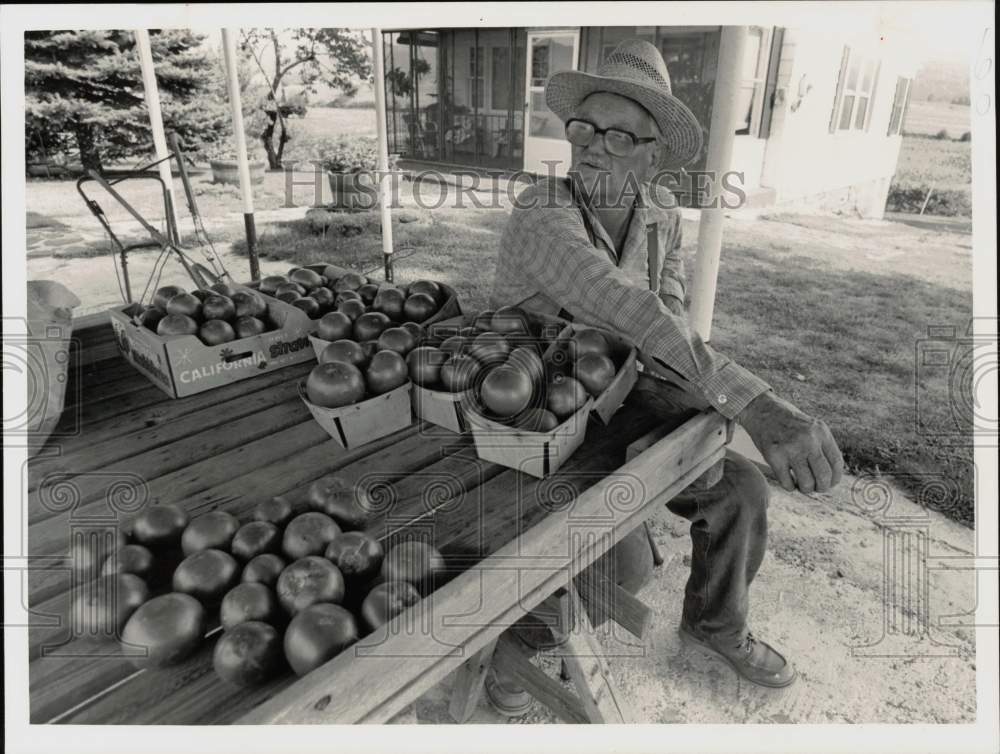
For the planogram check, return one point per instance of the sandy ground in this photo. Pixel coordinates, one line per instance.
(840, 591)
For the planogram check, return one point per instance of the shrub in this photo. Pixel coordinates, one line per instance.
(347, 154)
(967, 136)
(942, 134)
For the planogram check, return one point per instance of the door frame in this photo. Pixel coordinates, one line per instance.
(563, 151)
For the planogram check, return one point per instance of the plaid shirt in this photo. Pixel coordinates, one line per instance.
(554, 254)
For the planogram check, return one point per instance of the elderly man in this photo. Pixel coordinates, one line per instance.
(602, 248)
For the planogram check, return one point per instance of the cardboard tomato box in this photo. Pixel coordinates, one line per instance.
(182, 365)
(359, 423)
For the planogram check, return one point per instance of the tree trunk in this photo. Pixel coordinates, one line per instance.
(90, 155)
(273, 157)
(283, 138)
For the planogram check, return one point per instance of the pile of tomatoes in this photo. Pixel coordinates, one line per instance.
(370, 343)
(217, 315)
(291, 588)
(317, 294)
(512, 374)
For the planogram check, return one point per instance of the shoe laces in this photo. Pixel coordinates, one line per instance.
(748, 643)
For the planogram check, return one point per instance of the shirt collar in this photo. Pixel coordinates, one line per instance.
(637, 226)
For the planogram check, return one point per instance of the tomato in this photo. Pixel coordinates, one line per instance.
(335, 326)
(346, 351)
(565, 396)
(223, 289)
(595, 372)
(249, 601)
(308, 305)
(387, 600)
(134, 559)
(506, 390)
(317, 634)
(588, 340)
(247, 327)
(334, 384)
(289, 288)
(538, 420)
(263, 569)
(455, 344)
(489, 348)
(206, 575)
(249, 304)
(324, 297)
(307, 581)
(277, 511)
(248, 655)
(105, 605)
(151, 317)
(176, 324)
(368, 292)
(255, 538)
(164, 294)
(509, 319)
(218, 307)
(369, 348)
(306, 278)
(484, 321)
(389, 300)
(308, 534)
(415, 562)
(528, 360)
(358, 556)
(169, 628)
(419, 307)
(270, 284)
(424, 365)
(432, 289)
(201, 294)
(287, 296)
(370, 325)
(160, 526)
(387, 371)
(397, 339)
(350, 296)
(186, 304)
(348, 506)
(459, 373)
(349, 282)
(215, 332)
(89, 553)
(417, 331)
(212, 530)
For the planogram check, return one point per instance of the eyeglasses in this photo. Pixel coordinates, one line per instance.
(617, 142)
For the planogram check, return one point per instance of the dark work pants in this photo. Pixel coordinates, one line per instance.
(728, 518)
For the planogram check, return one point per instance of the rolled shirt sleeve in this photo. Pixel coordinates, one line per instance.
(548, 244)
(672, 270)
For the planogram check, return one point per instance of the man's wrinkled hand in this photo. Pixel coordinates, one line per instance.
(799, 449)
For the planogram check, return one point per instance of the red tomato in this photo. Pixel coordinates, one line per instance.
(588, 340)
(565, 396)
(397, 339)
(249, 654)
(459, 373)
(215, 332)
(387, 600)
(176, 324)
(509, 319)
(386, 372)
(419, 307)
(334, 384)
(335, 326)
(595, 372)
(317, 634)
(218, 307)
(507, 390)
(389, 301)
(370, 325)
(307, 581)
(425, 364)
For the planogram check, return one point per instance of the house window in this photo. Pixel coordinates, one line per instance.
(477, 61)
(754, 79)
(855, 88)
(900, 102)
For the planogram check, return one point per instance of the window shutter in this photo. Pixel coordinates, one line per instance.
(871, 96)
(906, 104)
(841, 80)
(771, 82)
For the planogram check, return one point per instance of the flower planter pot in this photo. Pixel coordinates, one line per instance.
(228, 171)
(353, 191)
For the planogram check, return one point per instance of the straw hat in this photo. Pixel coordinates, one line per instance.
(635, 69)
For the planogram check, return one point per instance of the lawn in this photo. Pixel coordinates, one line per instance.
(829, 311)
(926, 163)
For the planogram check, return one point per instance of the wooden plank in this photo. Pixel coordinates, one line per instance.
(546, 690)
(144, 468)
(584, 662)
(90, 324)
(606, 600)
(398, 668)
(168, 409)
(99, 455)
(468, 684)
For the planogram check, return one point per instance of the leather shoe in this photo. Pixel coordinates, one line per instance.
(507, 698)
(753, 659)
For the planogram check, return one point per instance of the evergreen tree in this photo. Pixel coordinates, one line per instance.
(84, 89)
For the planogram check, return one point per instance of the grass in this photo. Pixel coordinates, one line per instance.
(926, 163)
(811, 304)
(927, 118)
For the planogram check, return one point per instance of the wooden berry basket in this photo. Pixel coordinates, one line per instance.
(359, 423)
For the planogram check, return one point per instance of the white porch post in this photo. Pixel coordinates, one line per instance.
(722, 133)
(384, 201)
(156, 118)
(246, 188)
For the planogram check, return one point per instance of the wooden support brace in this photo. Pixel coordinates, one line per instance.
(605, 600)
(469, 679)
(515, 665)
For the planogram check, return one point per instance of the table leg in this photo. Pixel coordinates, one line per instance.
(468, 686)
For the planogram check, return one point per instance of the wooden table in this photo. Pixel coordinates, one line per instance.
(510, 541)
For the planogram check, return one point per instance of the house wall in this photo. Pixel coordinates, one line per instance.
(806, 164)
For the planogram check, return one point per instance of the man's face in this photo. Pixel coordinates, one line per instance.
(604, 176)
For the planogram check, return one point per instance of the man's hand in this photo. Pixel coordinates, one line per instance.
(794, 442)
